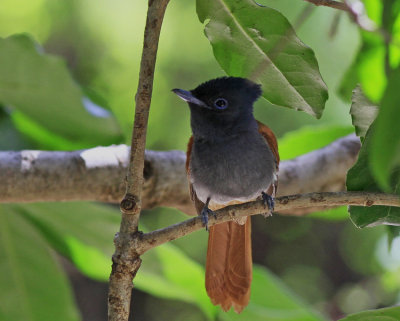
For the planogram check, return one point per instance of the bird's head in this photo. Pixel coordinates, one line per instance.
(224, 103)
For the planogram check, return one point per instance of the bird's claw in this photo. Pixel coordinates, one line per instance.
(205, 212)
(269, 202)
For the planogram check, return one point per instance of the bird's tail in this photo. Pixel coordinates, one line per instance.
(229, 265)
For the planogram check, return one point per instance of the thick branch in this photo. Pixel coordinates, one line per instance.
(283, 203)
(96, 174)
(126, 261)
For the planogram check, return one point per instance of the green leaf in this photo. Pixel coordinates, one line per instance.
(41, 87)
(385, 144)
(387, 314)
(84, 233)
(271, 300)
(374, 10)
(33, 285)
(81, 231)
(43, 138)
(309, 138)
(375, 55)
(371, 70)
(362, 111)
(360, 178)
(168, 273)
(249, 39)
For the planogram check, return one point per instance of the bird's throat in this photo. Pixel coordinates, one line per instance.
(212, 127)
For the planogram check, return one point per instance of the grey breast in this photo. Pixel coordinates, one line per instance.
(238, 168)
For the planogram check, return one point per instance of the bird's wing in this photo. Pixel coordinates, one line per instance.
(272, 142)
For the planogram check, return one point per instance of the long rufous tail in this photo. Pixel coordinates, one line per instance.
(229, 265)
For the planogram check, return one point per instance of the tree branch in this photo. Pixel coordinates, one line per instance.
(96, 175)
(126, 261)
(284, 203)
(329, 3)
(355, 9)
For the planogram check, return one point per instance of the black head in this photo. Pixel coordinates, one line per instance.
(224, 103)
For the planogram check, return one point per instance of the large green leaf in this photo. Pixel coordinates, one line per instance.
(43, 138)
(81, 231)
(360, 178)
(33, 285)
(84, 233)
(41, 87)
(387, 314)
(385, 144)
(249, 39)
(271, 300)
(362, 111)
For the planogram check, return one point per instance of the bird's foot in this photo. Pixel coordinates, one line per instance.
(269, 202)
(205, 213)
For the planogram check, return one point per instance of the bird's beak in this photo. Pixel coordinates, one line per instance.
(188, 97)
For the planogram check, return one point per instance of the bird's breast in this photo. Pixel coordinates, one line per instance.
(235, 169)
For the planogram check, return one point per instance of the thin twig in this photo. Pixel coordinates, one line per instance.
(329, 3)
(126, 261)
(355, 9)
(283, 203)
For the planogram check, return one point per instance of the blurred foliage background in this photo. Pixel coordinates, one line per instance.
(335, 268)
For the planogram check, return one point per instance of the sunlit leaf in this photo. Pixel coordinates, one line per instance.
(374, 10)
(371, 70)
(250, 40)
(34, 287)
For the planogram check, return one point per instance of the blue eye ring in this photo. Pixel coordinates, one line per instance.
(221, 103)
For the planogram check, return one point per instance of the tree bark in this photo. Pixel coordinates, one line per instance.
(97, 175)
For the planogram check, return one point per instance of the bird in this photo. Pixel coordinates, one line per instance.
(231, 158)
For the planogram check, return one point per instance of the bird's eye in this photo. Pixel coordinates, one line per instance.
(221, 103)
